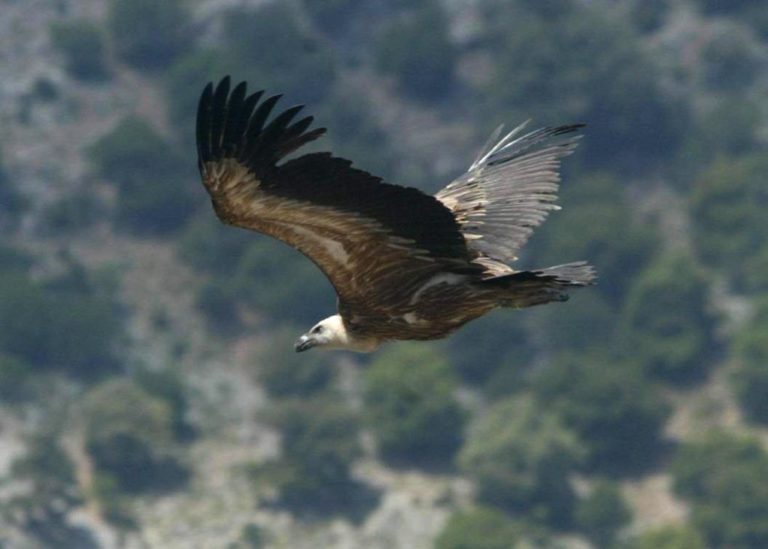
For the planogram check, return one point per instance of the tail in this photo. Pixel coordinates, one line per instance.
(529, 288)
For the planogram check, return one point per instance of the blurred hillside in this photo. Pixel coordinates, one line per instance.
(149, 392)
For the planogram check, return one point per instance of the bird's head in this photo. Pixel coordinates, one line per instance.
(331, 333)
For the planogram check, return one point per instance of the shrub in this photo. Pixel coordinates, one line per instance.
(521, 456)
(750, 350)
(615, 410)
(320, 441)
(479, 528)
(418, 52)
(128, 433)
(602, 514)
(82, 45)
(492, 352)
(154, 194)
(727, 205)
(723, 476)
(46, 493)
(667, 324)
(270, 42)
(668, 537)
(283, 373)
(410, 404)
(148, 34)
(597, 225)
(598, 58)
(69, 330)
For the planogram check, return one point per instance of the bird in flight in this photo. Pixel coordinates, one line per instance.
(405, 265)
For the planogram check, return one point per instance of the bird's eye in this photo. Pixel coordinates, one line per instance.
(317, 329)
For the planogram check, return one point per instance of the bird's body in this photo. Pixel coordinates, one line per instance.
(405, 265)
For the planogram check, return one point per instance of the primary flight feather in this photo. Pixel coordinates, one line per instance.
(405, 265)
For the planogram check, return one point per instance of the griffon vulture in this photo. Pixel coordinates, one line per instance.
(405, 265)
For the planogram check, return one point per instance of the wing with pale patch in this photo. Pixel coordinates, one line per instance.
(375, 241)
(507, 192)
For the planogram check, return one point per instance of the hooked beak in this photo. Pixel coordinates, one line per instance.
(304, 343)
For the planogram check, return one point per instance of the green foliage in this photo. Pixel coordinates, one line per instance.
(184, 83)
(479, 528)
(284, 373)
(727, 205)
(731, 59)
(723, 476)
(128, 433)
(320, 440)
(594, 55)
(329, 15)
(67, 329)
(667, 323)
(750, 350)
(602, 514)
(154, 194)
(48, 493)
(15, 380)
(668, 537)
(726, 6)
(614, 409)
(11, 201)
(597, 224)
(147, 34)
(168, 385)
(81, 42)
(269, 42)
(251, 537)
(520, 456)
(411, 405)
(492, 352)
(418, 52)
(249, 270)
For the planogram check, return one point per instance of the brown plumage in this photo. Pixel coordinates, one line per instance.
(405, 265)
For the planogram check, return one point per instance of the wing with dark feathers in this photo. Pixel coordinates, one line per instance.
(508, 191)
(373, 240)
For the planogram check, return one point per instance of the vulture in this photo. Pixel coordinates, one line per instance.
(405, 265)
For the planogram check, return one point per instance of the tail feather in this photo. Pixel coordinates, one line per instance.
(529, 288)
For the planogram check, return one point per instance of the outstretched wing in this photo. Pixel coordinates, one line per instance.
(373, 240)
(507, 192)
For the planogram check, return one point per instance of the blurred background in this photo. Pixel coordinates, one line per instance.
(149, 392)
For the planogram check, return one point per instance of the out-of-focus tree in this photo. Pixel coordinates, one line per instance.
(149, 35)
(67, 329)
(492, 352)
(129, 434)
(591, 68)
(649, 15)
(726, 6)
(417, 51)
(152, 178)
(723, 476)
(168, 385)
(668, 537)
(728, 203)
(283, 373)
(411, 405)
(50, 492)
(479, 528)
(750, 351)
(667, 322)
(602, 514)
(320, 441)
(731, 60)
(81, 43)
(521, 457)
(598, 225)
(11, 201)
(270, 42)
(614, 409)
